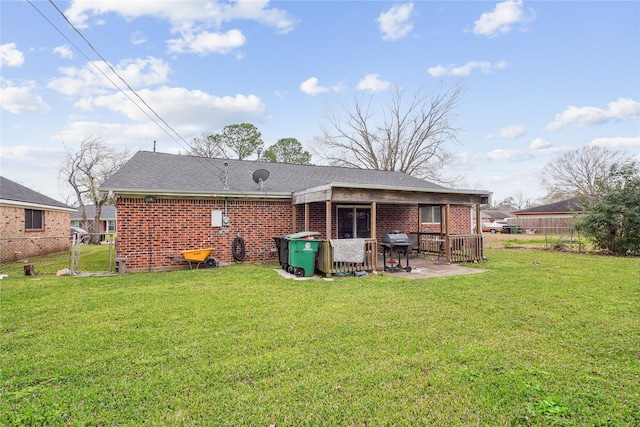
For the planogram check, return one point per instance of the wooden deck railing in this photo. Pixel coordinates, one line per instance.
(327, 266)
(466, 248)
(462, 247)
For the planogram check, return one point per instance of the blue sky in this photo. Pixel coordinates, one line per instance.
(540, 77)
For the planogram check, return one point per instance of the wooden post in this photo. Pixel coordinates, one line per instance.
(374, 233)
(29, 270)
(328, 218)
(447, 239)
(374, 220)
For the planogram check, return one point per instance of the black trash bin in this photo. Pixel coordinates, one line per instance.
(282, 244)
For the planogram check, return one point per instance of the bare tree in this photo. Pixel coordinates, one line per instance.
(85, 170)
(576, 172)
(409, 137)
(208, 144)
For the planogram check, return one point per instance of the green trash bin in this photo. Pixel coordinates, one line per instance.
(514, 229)
(302, 253)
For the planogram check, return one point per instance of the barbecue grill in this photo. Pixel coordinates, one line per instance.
(399, 243)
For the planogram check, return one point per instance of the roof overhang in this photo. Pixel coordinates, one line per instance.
(28, 205)
(366, 193)
(141, 193)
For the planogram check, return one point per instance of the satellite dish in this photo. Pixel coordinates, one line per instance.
(260, 176)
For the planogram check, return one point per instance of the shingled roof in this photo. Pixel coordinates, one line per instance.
(106, 212)
(161, 173)
(564, 206)
(11, 191)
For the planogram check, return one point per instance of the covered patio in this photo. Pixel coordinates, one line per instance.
(438, 220)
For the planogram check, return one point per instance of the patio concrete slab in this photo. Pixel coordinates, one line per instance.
(426, 267)
(421, 268)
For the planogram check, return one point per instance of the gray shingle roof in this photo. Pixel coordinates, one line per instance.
(170, 173)
(564, 206)
(15, 192)
(107, 212)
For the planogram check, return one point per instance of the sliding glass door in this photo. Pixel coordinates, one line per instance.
(353, 221)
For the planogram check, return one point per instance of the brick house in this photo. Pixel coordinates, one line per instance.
(107, 223)
(169, 203)
(32, 224)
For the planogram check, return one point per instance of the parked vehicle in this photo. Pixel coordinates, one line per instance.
(493, 227)
(82, 235)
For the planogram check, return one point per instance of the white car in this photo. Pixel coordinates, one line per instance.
(493, 227)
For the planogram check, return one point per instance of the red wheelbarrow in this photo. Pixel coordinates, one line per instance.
(198, 257)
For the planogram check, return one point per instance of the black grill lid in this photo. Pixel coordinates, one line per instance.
(395, 238)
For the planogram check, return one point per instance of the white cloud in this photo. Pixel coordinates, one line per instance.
(89, 81)
(207, 42)
(513, 131)
(19, 99)
(466, 69)
(372, 82)
(196, 22)
(311, 87)
(622, 108)
(63, 51)
(10, 56)
(501, 19)
(537, 148)
(618, 143)
(539, 143)
(184, 109)
(138, 38)
(394, 23)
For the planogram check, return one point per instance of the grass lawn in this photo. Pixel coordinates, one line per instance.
(542, 338)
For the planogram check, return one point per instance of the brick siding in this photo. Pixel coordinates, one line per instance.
(149, 234)
(16, 243)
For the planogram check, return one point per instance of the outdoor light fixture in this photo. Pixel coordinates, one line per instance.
(149, 199)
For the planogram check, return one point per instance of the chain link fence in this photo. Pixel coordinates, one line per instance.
(56, 255)
(567, 239)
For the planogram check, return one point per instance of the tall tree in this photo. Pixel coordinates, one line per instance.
(612, 220)
(85, 171)
(241, 140)
(409, 136)
(288, 150)
(575, 173)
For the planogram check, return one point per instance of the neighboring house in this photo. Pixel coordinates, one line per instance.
(32, 224)
(493, 215)
(170, 203)
(107, 218)
(552, 217)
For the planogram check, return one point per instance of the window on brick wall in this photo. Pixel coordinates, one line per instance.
(33, 219)
(431, 214)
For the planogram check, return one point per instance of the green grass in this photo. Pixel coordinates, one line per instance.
(540, 339)
(89, 258)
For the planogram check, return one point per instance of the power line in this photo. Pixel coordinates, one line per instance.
(208, 165)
